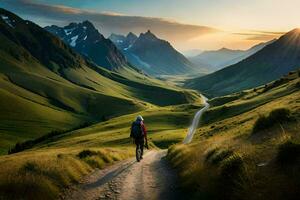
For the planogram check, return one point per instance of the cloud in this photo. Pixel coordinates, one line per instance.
(106, 22)
(260, 35)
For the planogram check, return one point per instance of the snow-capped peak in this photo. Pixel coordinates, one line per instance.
(69, 31)
(73, 41)
(8, 21)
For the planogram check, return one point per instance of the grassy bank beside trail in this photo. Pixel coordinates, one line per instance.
(247, 148)
(41, 174)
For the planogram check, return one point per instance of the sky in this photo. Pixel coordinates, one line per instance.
(186, 24)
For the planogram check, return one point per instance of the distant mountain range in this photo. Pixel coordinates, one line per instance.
(152, 55)
(216, 60)
(270, 63)
(192, 52)
(86, 39)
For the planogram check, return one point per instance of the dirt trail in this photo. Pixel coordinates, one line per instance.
(194, 125)
(151, 178)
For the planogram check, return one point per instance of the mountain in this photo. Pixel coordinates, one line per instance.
(153, 55)
(86, 39)
(47, 86)
(121, 41)
(216, 60)
(270, 63)
(192, 52)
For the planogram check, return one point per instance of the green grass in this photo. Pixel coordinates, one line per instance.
(226, 161)
(63, 159)
(59, 90)
(32, 105)
(41, 174)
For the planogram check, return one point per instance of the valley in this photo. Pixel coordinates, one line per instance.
(221, 125)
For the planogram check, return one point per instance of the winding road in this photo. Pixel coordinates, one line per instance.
(152, 178)
(195, 123)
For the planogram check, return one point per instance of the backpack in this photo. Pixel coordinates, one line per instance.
(136, 130)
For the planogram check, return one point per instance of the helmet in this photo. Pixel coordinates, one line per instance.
(139, 118)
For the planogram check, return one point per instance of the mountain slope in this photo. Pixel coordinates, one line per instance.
(230, 158)
(216, 60)
(247, 53)
(153, 55)
(270, 63)
(86, 40)
(46, 85)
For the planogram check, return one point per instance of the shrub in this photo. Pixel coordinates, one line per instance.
(288, 153)
(276, 116)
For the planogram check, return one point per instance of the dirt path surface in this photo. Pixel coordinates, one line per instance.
(195, 123)
(151, 178)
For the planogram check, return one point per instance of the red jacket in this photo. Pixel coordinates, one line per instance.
(144, 130)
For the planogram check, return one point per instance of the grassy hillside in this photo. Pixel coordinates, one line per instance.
(59, 161)
(247, 146)
(46, 86)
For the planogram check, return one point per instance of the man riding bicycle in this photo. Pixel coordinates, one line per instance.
(139, 134)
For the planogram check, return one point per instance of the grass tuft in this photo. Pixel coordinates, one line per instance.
(215, 157)
(86, 153)
(30, 167)
(276, 116)
(98, 159)
(232, 166)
